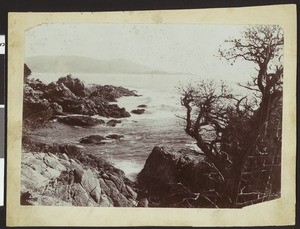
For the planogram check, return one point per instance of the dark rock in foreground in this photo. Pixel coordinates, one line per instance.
(80, 120)
(92, 139)
(138, 111)
(179, 179)
(113, 122)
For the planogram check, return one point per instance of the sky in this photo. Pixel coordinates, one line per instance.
(174, 48)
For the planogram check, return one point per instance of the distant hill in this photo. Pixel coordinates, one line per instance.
(79, 64)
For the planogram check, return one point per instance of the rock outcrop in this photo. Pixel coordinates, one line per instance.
(65, 175)
(76, 86)
(179, 179)
(110, 93)
(69, 95)
(80, 120)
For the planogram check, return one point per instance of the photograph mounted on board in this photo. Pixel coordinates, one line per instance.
(152, 115)
(147, 115)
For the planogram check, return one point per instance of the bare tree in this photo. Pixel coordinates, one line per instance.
(224, 126)
(262, 45)
(209, 108)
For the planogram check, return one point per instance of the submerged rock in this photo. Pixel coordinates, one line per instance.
(115, 136)
(92, 139)
(80, 120)
(113, 122)
(142, 106)
(138, 111)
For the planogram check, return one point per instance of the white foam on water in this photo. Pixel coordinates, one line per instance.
(130, 167)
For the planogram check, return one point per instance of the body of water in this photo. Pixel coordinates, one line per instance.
(159, 125)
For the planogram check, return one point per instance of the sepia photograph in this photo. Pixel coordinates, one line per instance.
(142, 114)
(152, 115)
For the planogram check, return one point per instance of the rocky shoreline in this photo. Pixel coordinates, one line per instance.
(66, 174)
(69, 175)
(69, 95)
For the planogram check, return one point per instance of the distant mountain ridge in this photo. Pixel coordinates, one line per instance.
(80, 64)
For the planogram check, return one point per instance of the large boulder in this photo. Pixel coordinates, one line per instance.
(172, 177)
(159, 170)
(79, 120)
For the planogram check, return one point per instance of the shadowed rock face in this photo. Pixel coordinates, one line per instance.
(176, 179)
(66, 175)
